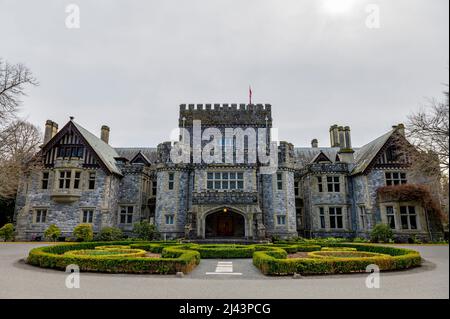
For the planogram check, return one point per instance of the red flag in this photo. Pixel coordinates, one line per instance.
(250, 93)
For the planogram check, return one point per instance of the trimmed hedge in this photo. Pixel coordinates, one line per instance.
(343, 254)
(110, 252)
(338, 249)
(271, 263)
(172, 261)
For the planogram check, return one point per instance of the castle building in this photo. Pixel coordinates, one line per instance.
(233, 181)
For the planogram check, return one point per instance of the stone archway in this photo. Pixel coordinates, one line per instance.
(225, 223)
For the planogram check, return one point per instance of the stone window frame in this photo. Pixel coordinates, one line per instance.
(227, 180)
(127, 214)
(154, 187)
(297, 188)
(326, 216)
(333, 183)
(45, 179)
(397, 215)
(362, 215)
(279, 180)
(203, 177)
(319, 180)
(171, 181)
(71, 179)
(280, 217)
(408, 215)
(82, 215)
(391, 181)
(36, 210)
(336, 217)
(91, 180)
(169, 217)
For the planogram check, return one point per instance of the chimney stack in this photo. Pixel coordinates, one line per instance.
(51, 128)
(399, 128)
(334, 136)
(315, 143)
(104, 134)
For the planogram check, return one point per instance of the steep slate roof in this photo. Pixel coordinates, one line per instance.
(104, 151)
(366, 154)
(130, 152)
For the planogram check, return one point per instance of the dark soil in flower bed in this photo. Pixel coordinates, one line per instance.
(299, 254)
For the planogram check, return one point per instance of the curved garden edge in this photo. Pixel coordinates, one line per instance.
(271, 259)
(276, 263)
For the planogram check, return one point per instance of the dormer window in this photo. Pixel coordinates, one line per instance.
(70, 151)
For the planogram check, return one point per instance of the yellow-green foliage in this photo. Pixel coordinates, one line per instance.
(112, 252)
(172, 261)
(338, 249)
(391, 259)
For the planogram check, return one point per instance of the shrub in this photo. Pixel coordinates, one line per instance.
(343, 254)
(174, 260)
(109, 234)
(113, 252)
(144, 230)
(52, 232)
(381, 233)
(224, 251)
(271, 264)
(7, 232)
(360, 240)
(83, 232)
(338, 249)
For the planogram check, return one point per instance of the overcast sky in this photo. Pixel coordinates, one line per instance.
(131, 63)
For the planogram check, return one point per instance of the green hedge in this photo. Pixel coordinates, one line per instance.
(224, 251)
(273, 263)
(173, 260)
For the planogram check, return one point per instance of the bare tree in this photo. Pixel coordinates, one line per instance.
(428, 130)
(13, 80)
(19, 142)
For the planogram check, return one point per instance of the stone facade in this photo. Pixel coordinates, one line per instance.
(313, 192)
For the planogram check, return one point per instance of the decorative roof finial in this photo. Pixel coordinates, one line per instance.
(72, 118)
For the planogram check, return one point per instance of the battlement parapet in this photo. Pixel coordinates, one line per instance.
(226, 114)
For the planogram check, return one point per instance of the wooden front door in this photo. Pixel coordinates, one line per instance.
(225, 225)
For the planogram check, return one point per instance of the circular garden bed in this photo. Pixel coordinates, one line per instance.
(271, 259)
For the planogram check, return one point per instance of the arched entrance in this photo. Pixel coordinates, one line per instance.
(224, 223)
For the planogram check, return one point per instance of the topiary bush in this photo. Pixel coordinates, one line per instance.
(144, 230)
(7, 232)
(109, 234)
(381, 233)
(387, 258)
(338, 249)
(174, 259)
(83, 232)
(52, 232)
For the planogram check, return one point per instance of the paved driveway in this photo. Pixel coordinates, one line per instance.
(212, 279)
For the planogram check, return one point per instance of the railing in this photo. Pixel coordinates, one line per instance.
(225, 197)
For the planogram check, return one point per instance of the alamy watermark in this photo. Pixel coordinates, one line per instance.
(236, 146)
(373, 280)
(73, 279)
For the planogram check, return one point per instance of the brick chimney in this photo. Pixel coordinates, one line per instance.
(104, 134)
(399, 128)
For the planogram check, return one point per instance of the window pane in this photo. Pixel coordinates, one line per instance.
(240, 175)
(224, 184)
(412, 210)
(391, 221)
(232, 175)
(412, 221)
(210, 185)
(217, 175)
(322, 221)
(224, 175)
(217, 185)
(232, 185)
(210, 175)
(403, 210)
(339, 222)
(404, 220)
(332, 222)
(240, 185)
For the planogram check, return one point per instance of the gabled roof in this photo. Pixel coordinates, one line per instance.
(367, 153)
(130, 153)
(104, 151)
(141, 156)
(321, 157)
(306, 155)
